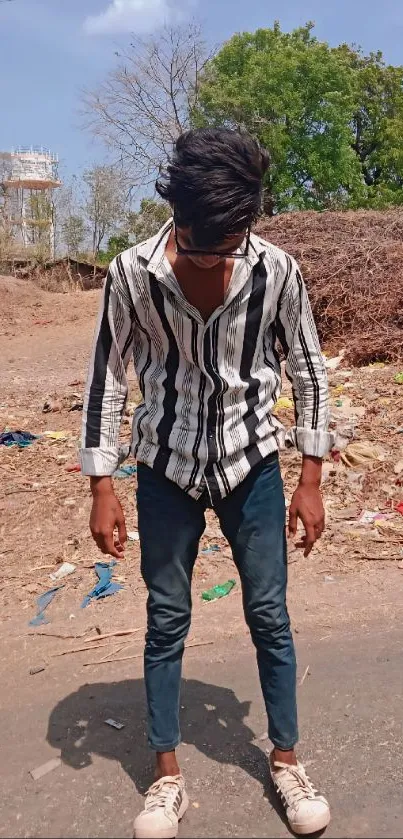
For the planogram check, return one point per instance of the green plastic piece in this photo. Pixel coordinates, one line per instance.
(218, 591)
(399, 378)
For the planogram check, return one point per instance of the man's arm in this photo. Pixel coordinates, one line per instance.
(305, 367)
(105, 398)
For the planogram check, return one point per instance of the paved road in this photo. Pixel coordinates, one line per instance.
(351, 725)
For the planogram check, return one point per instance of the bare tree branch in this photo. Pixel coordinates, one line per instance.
(145, 103)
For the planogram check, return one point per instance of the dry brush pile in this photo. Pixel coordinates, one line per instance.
(353, 266)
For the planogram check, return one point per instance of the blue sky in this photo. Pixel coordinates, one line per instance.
(51, 49)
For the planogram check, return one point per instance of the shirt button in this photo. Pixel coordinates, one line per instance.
(210, 435)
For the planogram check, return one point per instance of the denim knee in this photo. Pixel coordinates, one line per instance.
(268, 623)
(166, 632)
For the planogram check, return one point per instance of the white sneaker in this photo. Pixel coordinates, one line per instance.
(306, 810)
(166, 803)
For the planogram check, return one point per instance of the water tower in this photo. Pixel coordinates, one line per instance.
(28, 177)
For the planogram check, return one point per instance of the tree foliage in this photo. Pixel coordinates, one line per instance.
(331, 118)
(149, 218)
(104, 202)
(116, 244)
(73, 234)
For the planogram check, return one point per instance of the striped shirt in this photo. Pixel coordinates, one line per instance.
(208, 389)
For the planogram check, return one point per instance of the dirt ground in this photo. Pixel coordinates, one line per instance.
(351, 584)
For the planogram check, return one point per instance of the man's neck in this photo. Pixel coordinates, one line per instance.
(204, 288)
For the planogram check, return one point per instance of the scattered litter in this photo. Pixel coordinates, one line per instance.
(69, 502)
(359, 453)
(355, 478)
(328, 471)
(22, 439)
(65, 569)
(218, 591)
(77, 406)
(399, 378)
(333, 363)
(211, 549)
(35, 670)
(133, 536)
(59, 436)
(370, 517)
(38, 773)
(74, 467)
(114, 724)
(328, 578)
(50, 407)
(306, 673)
(125, 472)
(105, 586)
(195, 804)
(399, 508)
(42, 603)
(283, 403)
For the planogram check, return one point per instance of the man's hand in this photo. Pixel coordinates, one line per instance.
(106, 517)
(307, 505)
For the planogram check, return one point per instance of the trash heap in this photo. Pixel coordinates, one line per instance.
(353, 266)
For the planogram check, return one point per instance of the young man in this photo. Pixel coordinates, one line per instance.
(200, 307)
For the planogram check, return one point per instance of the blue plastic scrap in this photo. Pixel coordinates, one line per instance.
(105, 586)
(42, 603)
(17, 438)
(125, 472)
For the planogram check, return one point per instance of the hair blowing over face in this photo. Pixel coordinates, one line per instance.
(214, 183)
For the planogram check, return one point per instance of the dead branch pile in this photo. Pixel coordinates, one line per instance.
(353, 266)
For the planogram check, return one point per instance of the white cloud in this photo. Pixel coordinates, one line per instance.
(128, 16)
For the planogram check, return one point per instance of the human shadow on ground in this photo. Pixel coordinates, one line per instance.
(212, 720)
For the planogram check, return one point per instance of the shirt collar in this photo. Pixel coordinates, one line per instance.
(153, 250)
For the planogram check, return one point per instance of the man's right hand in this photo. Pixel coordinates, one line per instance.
(106, 517)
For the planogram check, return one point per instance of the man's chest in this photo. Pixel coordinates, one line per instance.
(205, 290)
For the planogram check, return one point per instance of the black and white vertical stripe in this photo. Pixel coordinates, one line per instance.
(208, 390)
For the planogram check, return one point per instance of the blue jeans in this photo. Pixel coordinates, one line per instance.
(171, 523)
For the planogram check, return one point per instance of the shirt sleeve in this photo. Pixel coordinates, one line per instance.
(106, 389)
(305, 366)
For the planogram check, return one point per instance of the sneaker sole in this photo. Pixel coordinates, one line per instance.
(316, 824)
(167, 832)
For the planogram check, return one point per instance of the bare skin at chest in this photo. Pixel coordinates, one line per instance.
(203, 289)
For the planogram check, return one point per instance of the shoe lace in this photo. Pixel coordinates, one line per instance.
(162, 793)
(293, 784)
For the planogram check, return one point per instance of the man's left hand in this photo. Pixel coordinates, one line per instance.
(307, 505)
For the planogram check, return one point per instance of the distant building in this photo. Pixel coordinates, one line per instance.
(28, 177)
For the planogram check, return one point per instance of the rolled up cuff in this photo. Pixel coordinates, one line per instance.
(98, 462)
(310, 442)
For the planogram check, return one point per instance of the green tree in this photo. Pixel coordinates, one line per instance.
(73, 233)
(104, 202)
(116, 244)
(148, 220)
(377, 128)
(330, 117)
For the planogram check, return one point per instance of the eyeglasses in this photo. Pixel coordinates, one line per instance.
(221, 254)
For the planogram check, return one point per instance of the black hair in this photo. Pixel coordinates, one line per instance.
(213, 182)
